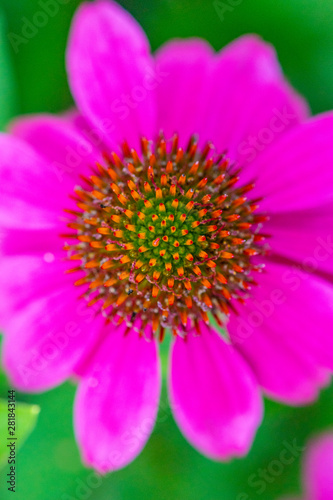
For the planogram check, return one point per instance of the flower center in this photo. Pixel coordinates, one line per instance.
(165, 236)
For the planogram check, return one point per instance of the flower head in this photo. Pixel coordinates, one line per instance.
(187, 189)
(166, 237)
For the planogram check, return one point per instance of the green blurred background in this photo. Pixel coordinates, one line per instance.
(33, 79)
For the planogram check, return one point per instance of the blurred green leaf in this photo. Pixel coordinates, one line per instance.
(38, 52)
(8, 94)
(25, 421)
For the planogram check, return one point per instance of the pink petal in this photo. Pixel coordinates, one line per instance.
(110, 72)
(47, 181)
(183, 66)
(254, 95)
(230, 98)
(24, 278)
(284, 332)
(117, 400)
(214, 396)
(87, 130)
(294, 173)
(30, 197)
(68, 152)
(291, 238)
(30, 241)
(47, 338)
(318, 469)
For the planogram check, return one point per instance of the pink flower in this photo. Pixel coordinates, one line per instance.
(165, 233)
(318, 469)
